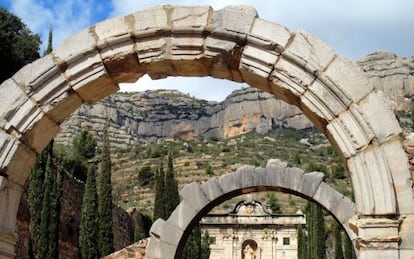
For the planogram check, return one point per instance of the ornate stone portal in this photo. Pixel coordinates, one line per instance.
(233, 44)
(250, 231)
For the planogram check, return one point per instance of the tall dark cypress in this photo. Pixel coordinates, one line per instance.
(301, 243)
(205, 246)
(46, 211)
(172, 198)
(35, 197)
(339, 254)
(349, 252)
(49, 43)
(192, 248)
(105, 200)
(88, 234)
(55, 212)
(159, 202)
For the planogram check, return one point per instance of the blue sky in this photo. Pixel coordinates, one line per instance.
(353, 28)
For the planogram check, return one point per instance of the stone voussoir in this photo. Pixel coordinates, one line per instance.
(310, 182)
(183, 215)
(166, 232)
(212, 189)
(193, 194)
(12, 153)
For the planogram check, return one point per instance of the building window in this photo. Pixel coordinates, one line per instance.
(212, 240)
(286, 241)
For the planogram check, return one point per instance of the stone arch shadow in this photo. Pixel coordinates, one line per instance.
(232, 43)
(167, 238)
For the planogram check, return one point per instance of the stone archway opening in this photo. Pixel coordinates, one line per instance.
(233, 44)
(249, 249)
(198, 200)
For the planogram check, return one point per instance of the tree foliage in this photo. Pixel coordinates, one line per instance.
(316, 232)
(273, 202)
(19, 46)
(159, 202)
(88, 235)
(172, 198)
(339, 254)
(105, 200)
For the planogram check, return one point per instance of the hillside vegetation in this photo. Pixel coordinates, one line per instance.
(202, 158)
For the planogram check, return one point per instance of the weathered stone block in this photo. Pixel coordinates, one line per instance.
(166, 232)
(9, 203)
(269, 34)
(193, 194)
(12, 98)
(256, 71)
(340, 206)
(78, 43)
(372, 183)
(350, 131)
(40, 134)
(234, 18)
(380, 117)
(182, 216)
(12, 153)
(291, 178)
(212, 189)
(111, 30)
(317, 106)
(62, 106)
(229, 183)
(88, 77)
(290, 78)
(349, 78)
(121, 62)
(394, 155)
(191, 16)
(151, 49)
(152, 19)
(158, 249)
(310, 182)
(309, 52)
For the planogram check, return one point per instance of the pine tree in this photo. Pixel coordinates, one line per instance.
(338, 242)
(88, 235)
(172, 198)
(159, 203)
(105, 200)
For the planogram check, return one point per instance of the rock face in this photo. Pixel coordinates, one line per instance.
(143, 116)
(393, 75)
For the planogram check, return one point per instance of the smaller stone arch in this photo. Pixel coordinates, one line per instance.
(167, 237)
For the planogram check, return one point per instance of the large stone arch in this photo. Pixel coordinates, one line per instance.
(233, 44)
(168, 237)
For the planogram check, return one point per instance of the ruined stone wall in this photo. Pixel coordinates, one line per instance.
(71, 203)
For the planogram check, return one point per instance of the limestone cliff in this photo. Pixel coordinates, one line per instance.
(140, 116)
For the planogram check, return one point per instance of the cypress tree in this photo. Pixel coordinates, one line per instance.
(319, 234)
(338, 242)
(49, 43)
(35, 198)
(159, 202)
(205, 246)
(172, 198)
(46, 211)
(192, 248)
(55, 213)
(88, 234)
(301, 243)
(105, 200)
(349, 252)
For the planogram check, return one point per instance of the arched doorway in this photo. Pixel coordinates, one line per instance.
(250, 250)
(233, 44)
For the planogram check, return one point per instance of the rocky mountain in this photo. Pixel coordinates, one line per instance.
(150, 115)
